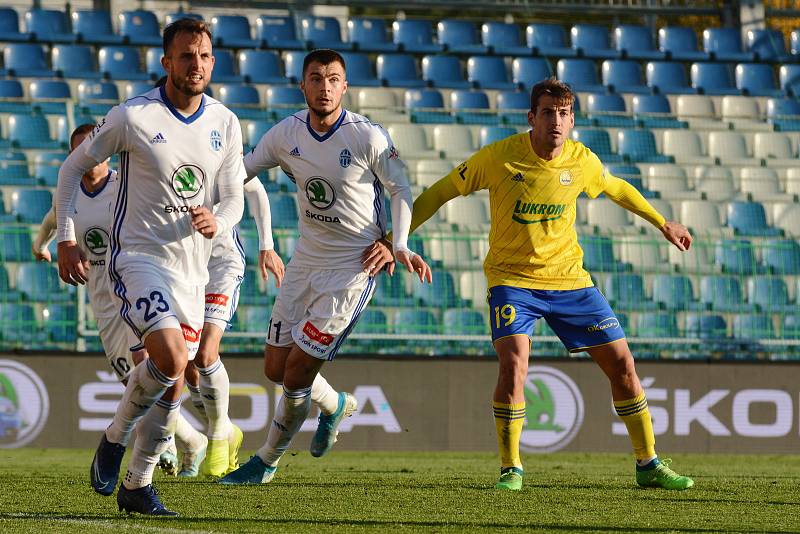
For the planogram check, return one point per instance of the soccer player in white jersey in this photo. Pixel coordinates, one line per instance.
(177, 146)
(341, 163)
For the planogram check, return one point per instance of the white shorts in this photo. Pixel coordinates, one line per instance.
(222, 291)
(319, 308)
(118, 340)
(152, 299)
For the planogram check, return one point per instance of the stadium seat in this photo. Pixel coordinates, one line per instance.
(713, 79)
(412, 322)
(791, 327)
(46, 165)
(430, 171)
(641, 252)
(120, 63)
(454, 141)
(467, 212)
(50, 96)
(781, 256)
(784, 114)
(528, 71)
(398, 70)
(468, 107)
(94, 26)
(372, 322)
(450, 251)
(6, 293)
(9, 26)
(140, 28)
(60, 323)
(549, 40)
(459, 37)
(26, 60)
(598, 254)
(623, 76)
(14, 169)
(579, 74)
(592, 41)
(760, 183)
(39, 282)
(369, 35)
(412, 142)
(256, 130)
(359, 70)
(415, 36)
(756, 79)
(653, 111)
(716, 183)
(725, 44)
(278, 33)
(443, 71)
(679, 43)
(136, 88)
(488, 72)
(674, 292)
(742, 112)
(767, 44)
(224, 69)
(753, 326)
(729, 148)
(48, 26)
(461, 321)
(503, 39)
(625, 291)
(31, 205)
(30, 131)
(639, 146)
(440, 294)
(15, 243)
(788, 219)
(512, 106)
(722, 293)
(608, 111)
(426, 106)
(598, 142)
(699, 112)
(769, 294)
(284, 210)
(74, 61)
(323, 32)
(700, 216)
(789, 79)
(242, 100)
(736, 256)
(18, 325)
(708, 327)
(669, 180)
(380, 105)
(284, 101)
(657, 325)
(636, 42)
(749, 219)
(668, 77)
(98, 97)
(391, 291)
(262, 66)
(492, 134)
(11, 98)
(250, 291)
(153, 65)
(607, 216)
(232, 31)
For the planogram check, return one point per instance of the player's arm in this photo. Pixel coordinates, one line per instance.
(46, 234)
(258, 202)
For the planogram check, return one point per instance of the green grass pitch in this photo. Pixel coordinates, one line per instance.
(48, 490)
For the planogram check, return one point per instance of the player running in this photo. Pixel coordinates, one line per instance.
(340, 162)
(534, 269)
(177, 148)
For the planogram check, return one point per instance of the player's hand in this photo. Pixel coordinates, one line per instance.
(73, 267)
(415, 264)
(270, 262)
(42, 255)
(377, 256)
(203, 221)
(677, 234)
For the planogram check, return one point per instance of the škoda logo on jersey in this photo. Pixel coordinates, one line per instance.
(96, 240)
(320, 193)
(187, 181)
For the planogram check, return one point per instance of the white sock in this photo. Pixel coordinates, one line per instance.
(153, 436)
(145, 386)
(187, 438)
(292, 410)
(197, 402)
(324, 396)
(215, 390)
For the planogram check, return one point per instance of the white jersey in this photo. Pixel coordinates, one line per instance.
(168, 164)
(340, 178)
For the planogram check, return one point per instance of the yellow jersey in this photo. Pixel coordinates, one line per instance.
(532, 240)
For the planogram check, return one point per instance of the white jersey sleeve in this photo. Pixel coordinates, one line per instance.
(258, 203)
(265, 154)
(393, 174)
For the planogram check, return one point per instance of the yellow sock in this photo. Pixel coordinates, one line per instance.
(509, 420)
(636, 416)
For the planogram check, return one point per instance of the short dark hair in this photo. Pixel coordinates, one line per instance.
(84, 128)
(559, 90)
(187, 25)
(324, 56)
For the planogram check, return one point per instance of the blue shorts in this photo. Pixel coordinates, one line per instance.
(581, 318)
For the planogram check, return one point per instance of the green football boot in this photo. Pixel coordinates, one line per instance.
(657, 474)
(510, 479)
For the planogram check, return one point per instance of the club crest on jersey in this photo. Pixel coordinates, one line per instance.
(565, 178)
(96, 240)
(345, 158)
(187, 180)
(216, 140)
(320, 193)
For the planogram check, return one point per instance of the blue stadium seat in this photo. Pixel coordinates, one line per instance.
(232, 31)
(97, 98)
(789, 79)
(398, 70)
(242, 100)
(14, 169)
(60, 323)
(74, 61)
(440, 294)
(250, 292)
(256, 130)
(528, 71)
(753, 326)
(372, 322)
(488, 72)
(369, 35)
(391, 291)
(284, 101)
(592, 40)
(135, 89)
(415, 36)
(31, 205)
(722, 293)
(463, 321)
(46, 165)
(30, 131)
(639, 146)
(654, 325)
(5, 218)
(278, 33)
(598, 142)
(444, 71)
(39, 282)
(466, 105)
(48, 25)
(94, 26)
(262, 66)
(756, 79)
(668, 77)
(50, 96)
(767, 44)
(492, 134)
(781, 256)
(784, 114)
(623, 76)
(512, 106)
(503, 39)
(749, 218)
(140, 28)
(120, 63)
(674, 292)
(323, 32)
(9, 26)
(6, 293)
(654, 112)
(410, 322)
(725, 44)
(580, 74)
(549, 40)
(679, 43)
(626, 291)
(735, 256)
(711, 327)
(26, 60)
(426, 106)
(598, 254)
(11, 98)
(769, 294)
(284, 210)
(153, 65)
(460, 37)
(253, 318)
(15, 243)
(18, 324)
(636, 42)
(608, 111)
(359, 70)
(224, 69)
(713, 79)
(791, 327)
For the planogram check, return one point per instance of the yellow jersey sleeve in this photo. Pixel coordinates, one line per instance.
(595, 180)
(475, 173)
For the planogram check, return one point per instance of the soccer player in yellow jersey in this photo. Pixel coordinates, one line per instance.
(534, 269)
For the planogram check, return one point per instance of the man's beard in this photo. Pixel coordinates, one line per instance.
(184, 88)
